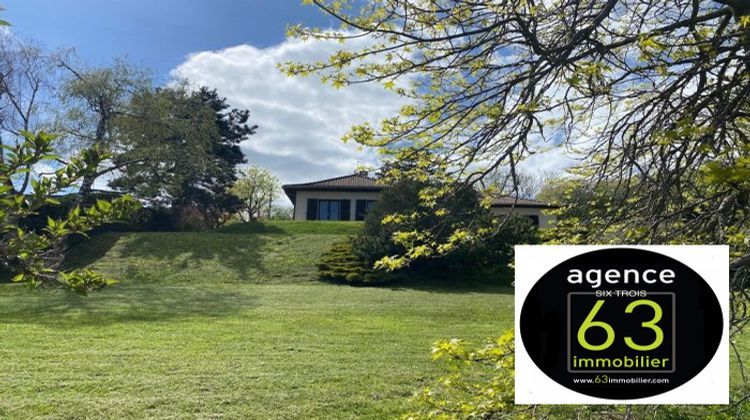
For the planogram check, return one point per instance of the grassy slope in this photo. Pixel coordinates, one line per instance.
(228, 324)
(295, 228)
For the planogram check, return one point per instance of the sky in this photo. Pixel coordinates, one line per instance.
(157, 33)
(232, 46)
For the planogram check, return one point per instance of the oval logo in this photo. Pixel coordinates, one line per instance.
(621, 323)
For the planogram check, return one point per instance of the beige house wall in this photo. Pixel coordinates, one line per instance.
(300, 210)
(545, 220)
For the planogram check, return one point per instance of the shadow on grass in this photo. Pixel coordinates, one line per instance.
(442, 282)
(85, 251)
(457, 284)
(119, 304)
(308, 227)
(252, 227)
(82, 251)
(243, 255)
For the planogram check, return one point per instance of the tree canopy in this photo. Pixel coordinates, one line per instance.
(180, 148)
(651, 97)
(93, 101)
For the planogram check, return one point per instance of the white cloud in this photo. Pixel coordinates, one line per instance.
(553, 161)
(301, 121)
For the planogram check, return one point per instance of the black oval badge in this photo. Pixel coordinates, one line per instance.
(621, 323)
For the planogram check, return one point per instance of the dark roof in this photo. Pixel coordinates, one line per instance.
(354, 182)
(507, 201)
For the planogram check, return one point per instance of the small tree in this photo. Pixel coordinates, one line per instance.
(257, 188)
(35, 257)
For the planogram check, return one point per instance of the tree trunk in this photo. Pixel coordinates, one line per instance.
(2, 123)
(87, 185)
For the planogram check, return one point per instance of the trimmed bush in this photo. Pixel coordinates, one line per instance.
(341, 265)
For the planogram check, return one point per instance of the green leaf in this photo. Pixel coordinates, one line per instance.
(104, 206)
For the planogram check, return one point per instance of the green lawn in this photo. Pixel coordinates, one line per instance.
(295, 228)
(231, 324)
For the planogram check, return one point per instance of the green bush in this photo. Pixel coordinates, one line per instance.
(480, 384)
(192, 219)
(145, 219)
(494, 252)
(376, 239)
(341, 265)
(151, 219)
(491, 252)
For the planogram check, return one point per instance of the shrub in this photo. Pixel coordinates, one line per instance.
(341, 265)
(151, 219)
(191, 218)
(480, 384)
(494, 252)
(491, 252)
(281, 213)
(370, 248)
(377, 238)
(145, 219)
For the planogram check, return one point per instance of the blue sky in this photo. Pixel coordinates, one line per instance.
(156, 33)
(233, 46)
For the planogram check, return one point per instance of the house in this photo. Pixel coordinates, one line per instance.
(537, 211)
(349, 197)
(342, 198)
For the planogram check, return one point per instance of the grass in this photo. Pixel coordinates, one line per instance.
(295, 228)
(205, 259)
(232, 324)
(229, 324)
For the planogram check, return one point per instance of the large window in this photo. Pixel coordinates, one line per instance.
(329, 210)
(362, 208)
